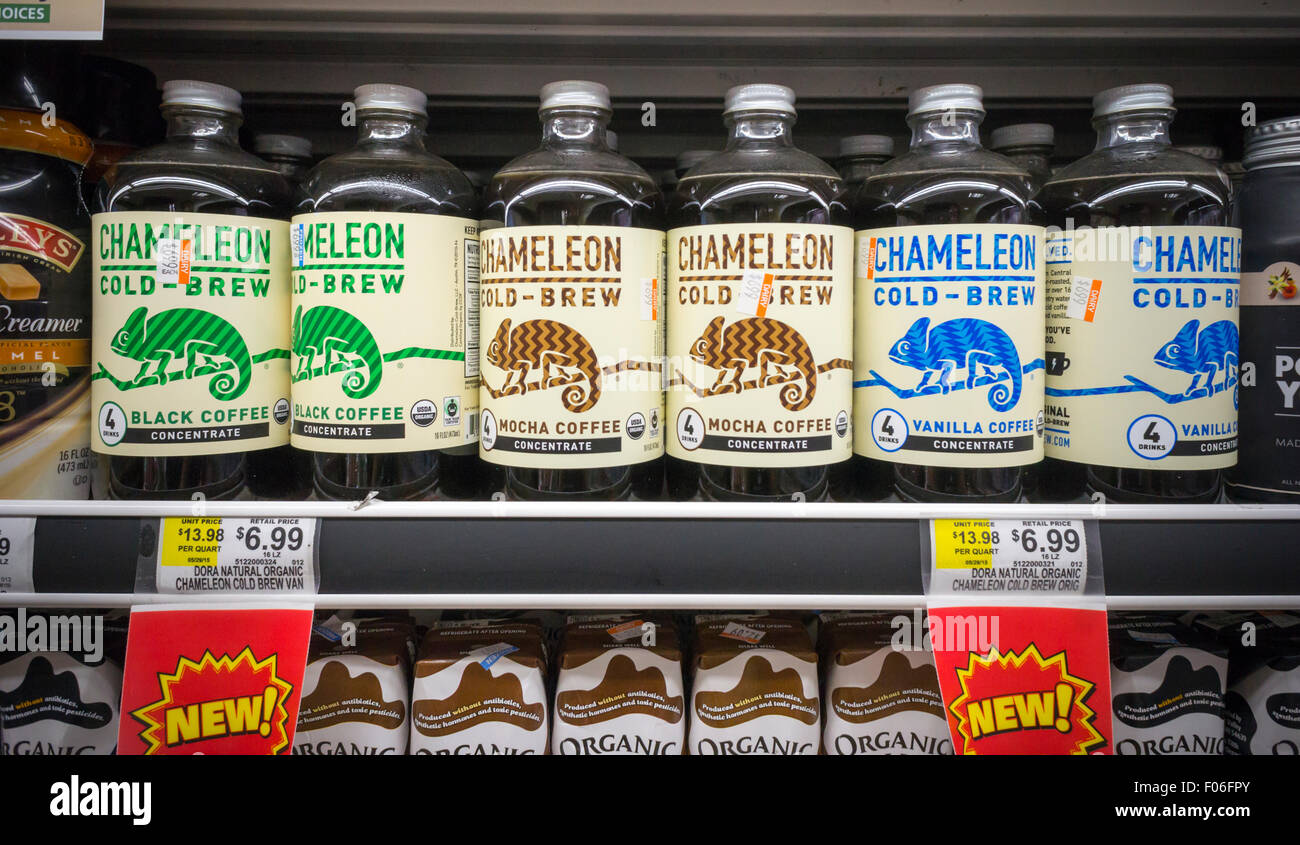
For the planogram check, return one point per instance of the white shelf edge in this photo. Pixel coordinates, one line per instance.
(647, 510)
(616, 601)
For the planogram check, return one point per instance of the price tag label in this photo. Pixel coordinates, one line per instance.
(237, 555)
(1084, 297)
(17, 545)
(1008, 556)
(736, 631)
(174, 261)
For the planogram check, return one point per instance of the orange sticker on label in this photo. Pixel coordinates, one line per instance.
(1084, 296)
(755, 293)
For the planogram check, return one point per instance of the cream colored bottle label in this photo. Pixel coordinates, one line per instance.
(383, 357)
(760, 329)
(190, 337)
(573, 344)
(1142, 346)
(948, 350)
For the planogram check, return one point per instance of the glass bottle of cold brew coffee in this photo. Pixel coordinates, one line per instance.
(862, 155)
(1143, 276)
(760, 302)
(572, 311)
(385, 331)
(1030, 146)
(949, 299)
(1267, 209)
(191, 310)
(288, 154)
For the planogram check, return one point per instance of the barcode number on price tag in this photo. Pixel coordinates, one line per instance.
(17, 547)
(1008, 556)
(237, 555)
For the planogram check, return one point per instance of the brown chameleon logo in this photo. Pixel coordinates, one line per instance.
(560, 357)
(777, 350)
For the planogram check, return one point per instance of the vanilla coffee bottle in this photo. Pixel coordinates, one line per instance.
(385, 297)
(572, 312)
(760, 300)
(190, 344)
(948, 351)
(1267, 208)
(1143, 285)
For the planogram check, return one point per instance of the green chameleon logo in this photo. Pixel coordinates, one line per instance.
(208, 344)
(342, 343)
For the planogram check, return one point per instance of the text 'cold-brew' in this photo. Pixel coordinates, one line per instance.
(191, 303)
(948, 342)
(1143, 286)
(760, 301)
(385, 286)
(572, 311)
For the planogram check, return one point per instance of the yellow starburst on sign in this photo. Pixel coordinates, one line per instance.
(1026, 696)
(217, 697)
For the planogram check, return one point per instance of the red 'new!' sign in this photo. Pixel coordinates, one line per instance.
(216, 680)
(1041, 685)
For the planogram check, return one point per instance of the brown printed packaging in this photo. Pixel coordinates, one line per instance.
(60, 682)
(356, 696)
(879, 697)
(480, 688)
(755, 689)
(619, 688)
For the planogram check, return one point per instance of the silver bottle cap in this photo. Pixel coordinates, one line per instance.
(382, 95)
(1273, 142)
(288, 145)
(935, 98)
(190, 92)
(611, 139)
(759, 97)
(574, 92)
(1022, 135)
(687, 159)
(1129, 98)
(867, 145)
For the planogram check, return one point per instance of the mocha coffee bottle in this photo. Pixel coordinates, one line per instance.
(572, 312)
(190, 392)
(385, 300)
(948, 345)
(760, 301)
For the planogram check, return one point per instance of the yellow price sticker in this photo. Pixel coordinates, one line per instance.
(964, 543)
(190, 541)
